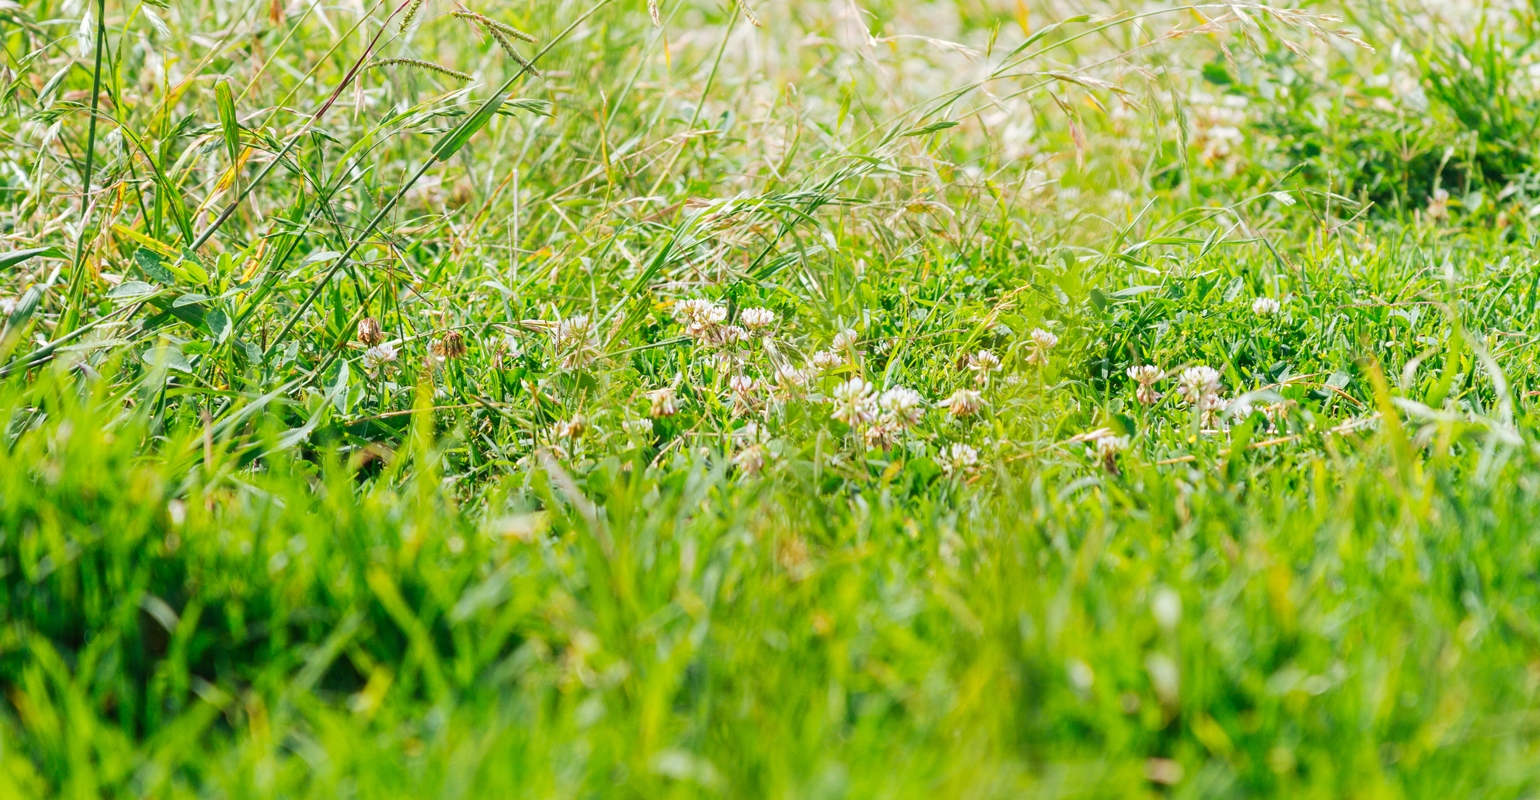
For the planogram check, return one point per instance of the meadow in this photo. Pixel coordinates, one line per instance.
(614, 398)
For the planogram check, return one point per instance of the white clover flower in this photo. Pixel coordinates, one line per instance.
(379, 355)
(789, 378)
(742, 384)
(1105, 448)
(1040, 343)
(983, 362)
(576, 339)
(699, 310)
(902, 407)
(729, 334)
(640, 426)
(574, 331)
(7, 306)
(853, 402)
(369, 331)
(959, 458)
(1108, 446)
(751, 433)
(750, 459)
(881, 435)
(572, 428)
(743, 393)
(699, 316)
(845, 340)
(662, 401)
(962, 403)
(1146, 376)
(1276, 413)
(1438, 205)
(825, 360)
(1265, 306)
(757, 318)
(1210, 405)
(1199, 382)
(1166, 607)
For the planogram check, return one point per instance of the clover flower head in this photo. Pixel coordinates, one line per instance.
(1265, 307)
(853, 402)
(983, 361)
(825, 360)
(958, 458)
(663, 402)
(379, 355)
(369, 332)
(572, 428)
(902, 407)
(699, 316)
(1146, 375)
(789, 378)
(962, 403)
(1198, 382)
(757, 318)
(1039, 343)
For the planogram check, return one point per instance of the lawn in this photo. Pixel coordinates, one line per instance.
(604, 398)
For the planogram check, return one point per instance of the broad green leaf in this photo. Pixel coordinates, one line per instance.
(219, 324)
(130, 290)
(150, 262)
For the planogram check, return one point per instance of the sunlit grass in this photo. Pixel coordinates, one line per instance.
(924, 399)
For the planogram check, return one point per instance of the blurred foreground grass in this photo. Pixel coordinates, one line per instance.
(1347, 624)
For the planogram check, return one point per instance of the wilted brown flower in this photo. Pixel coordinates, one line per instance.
(450, 346)
(369, 332)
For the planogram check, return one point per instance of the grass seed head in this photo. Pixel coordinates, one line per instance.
(419, 64)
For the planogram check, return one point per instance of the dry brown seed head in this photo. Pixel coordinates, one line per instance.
(369, 332)
(451, 345)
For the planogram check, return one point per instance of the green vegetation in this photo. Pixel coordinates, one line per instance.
(959, 399)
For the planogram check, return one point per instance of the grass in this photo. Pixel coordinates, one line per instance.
(927, 399)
